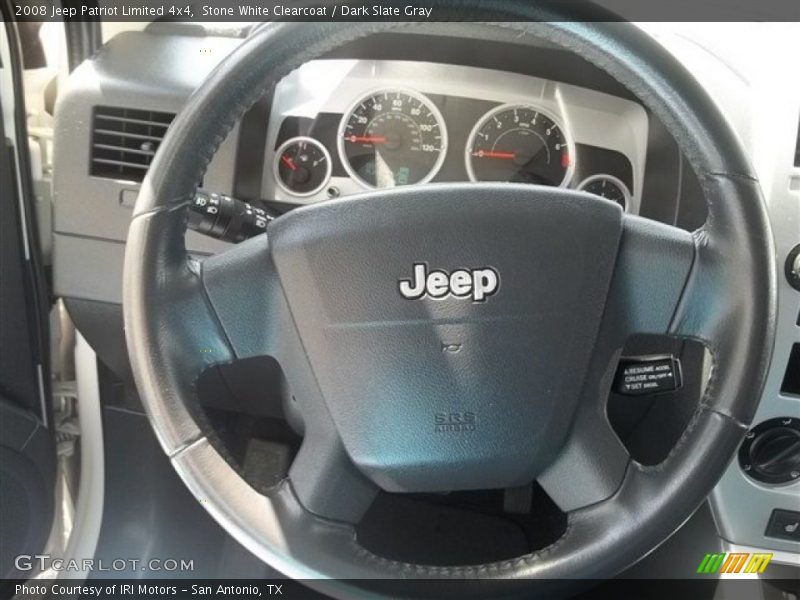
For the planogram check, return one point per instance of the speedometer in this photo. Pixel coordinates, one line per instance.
(392, 137)
(522, 144)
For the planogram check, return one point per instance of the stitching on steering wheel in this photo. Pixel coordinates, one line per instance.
(497, 566)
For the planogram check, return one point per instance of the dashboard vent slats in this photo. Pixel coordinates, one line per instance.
(124, 141)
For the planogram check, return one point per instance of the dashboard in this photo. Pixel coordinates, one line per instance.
(340, 127)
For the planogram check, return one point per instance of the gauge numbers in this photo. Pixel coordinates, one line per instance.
(521, 144)
(391, 138)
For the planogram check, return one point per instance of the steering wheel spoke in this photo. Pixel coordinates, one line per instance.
(244, 293)
(592, 463)
(325, 480)
(652, 267)
(591, 466)
(653, 263)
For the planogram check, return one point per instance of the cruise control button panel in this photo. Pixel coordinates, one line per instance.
(640, 375)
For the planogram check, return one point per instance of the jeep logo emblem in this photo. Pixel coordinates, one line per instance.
(478, 284)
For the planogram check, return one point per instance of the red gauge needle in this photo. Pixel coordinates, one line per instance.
(288, 162)
(491, 154)
(368, 139)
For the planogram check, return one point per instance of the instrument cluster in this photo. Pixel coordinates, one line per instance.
(389, 136)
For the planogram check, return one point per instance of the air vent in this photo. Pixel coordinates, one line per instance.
(124, 141)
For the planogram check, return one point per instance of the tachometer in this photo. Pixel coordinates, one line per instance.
(391, 138)
(521, 144)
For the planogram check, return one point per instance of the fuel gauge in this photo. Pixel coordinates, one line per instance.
(302, 166)
(608, 187)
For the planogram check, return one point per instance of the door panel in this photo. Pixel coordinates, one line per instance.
(27, 449)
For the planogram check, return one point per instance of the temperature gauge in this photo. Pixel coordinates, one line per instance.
(302, 166)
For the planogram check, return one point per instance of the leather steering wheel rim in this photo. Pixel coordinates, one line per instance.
(717, 285)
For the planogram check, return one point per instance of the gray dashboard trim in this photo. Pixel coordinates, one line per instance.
(92, 214)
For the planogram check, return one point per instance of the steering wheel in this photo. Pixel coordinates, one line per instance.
(365, 366)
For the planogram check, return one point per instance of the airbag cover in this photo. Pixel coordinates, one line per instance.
(468, 383)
